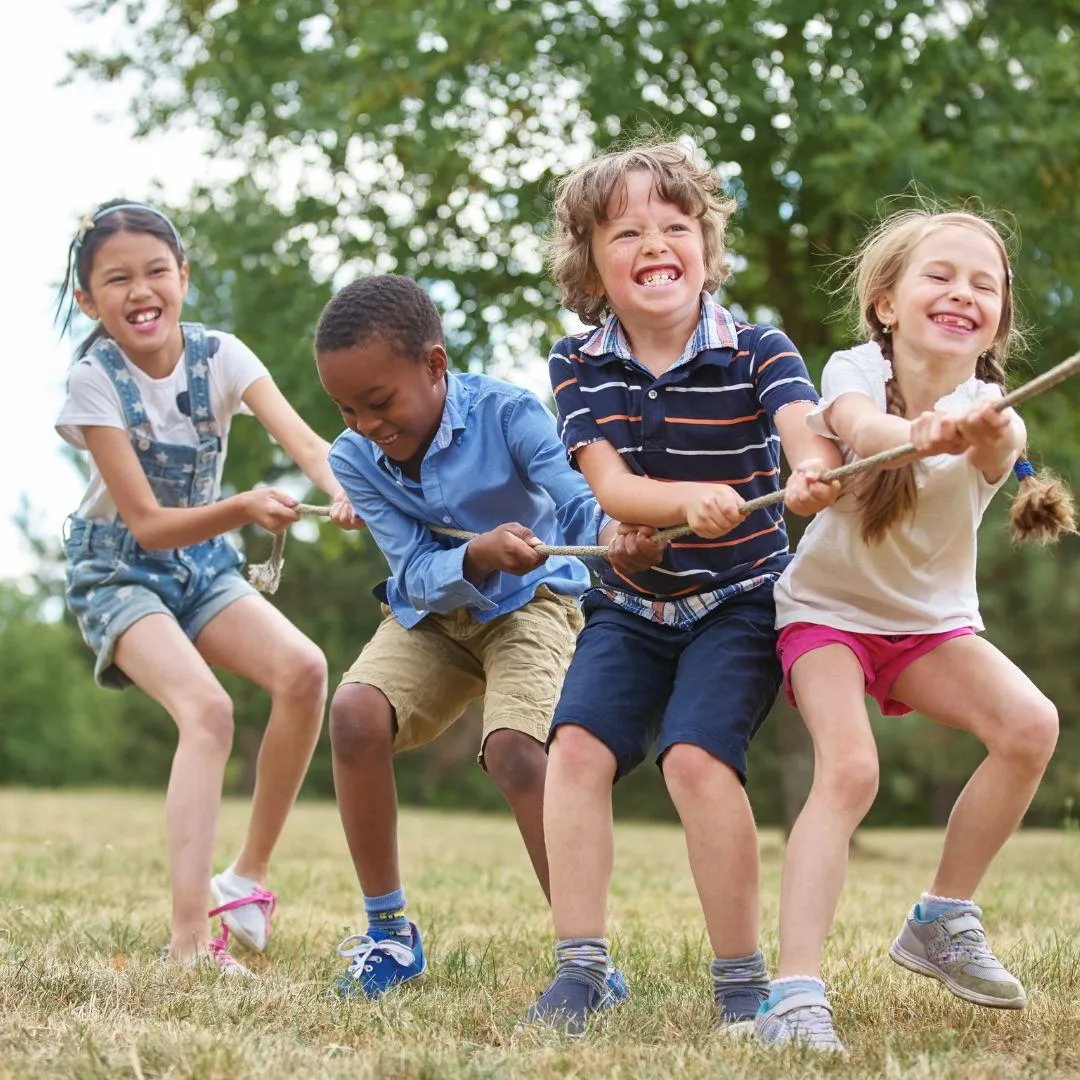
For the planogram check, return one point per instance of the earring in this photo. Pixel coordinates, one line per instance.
(886, 330)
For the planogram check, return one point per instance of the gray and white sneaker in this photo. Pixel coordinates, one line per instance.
(952, 949)
(800, 1019)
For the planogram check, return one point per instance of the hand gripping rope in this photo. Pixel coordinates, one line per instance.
(267, 576)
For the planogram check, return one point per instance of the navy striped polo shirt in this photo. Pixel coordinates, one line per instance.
(708, 418)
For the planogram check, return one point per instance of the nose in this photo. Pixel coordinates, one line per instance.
(961, 290)
(653, 241)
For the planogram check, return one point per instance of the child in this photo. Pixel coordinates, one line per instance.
(880, 599)
(673, 412)
(461, 619)
(152, 581)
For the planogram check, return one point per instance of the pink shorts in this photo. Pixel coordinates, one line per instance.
(882, 656)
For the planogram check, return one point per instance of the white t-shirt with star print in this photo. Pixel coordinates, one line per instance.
(92, 401)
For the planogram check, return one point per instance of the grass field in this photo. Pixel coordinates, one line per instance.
(83, 913)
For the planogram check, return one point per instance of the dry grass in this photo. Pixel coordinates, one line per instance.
(83, 911)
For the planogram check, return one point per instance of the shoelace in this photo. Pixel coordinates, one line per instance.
(813, 1025)
(263, 897)
(971, 946)
(219, 953)
(361, 948)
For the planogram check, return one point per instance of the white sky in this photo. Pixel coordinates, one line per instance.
(67, 149)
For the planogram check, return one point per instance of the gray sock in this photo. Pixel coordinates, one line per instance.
(584, 957)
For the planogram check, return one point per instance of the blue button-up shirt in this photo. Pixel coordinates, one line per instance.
(496, 458)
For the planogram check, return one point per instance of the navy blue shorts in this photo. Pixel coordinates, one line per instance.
(632, 682)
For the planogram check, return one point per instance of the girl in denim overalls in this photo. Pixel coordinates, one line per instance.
(151, 579)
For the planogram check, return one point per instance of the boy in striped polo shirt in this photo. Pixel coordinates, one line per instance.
(674, 413)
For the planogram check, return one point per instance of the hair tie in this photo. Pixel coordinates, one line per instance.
(1023, 468)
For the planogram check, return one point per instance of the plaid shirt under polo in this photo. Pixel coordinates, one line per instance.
(708, 418)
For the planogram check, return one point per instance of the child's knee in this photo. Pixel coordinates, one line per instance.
(301, 673)
(850, 781)
(690, 771)
(361, 722)
(580, 755)
(515, 761)
(207, 717)
(1028, 740)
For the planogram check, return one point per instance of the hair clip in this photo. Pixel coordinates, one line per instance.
(1023, 468)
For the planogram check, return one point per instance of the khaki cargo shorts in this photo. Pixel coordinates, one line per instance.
(431, 673)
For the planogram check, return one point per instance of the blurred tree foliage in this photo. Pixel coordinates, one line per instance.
(376, 135)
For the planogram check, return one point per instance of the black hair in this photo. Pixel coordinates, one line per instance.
(390, 307)
(110, 218)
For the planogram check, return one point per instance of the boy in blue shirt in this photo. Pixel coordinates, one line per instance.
(675, 412)
(427, 447)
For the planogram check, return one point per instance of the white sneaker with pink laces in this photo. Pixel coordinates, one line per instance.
(217, 955)
(245, 908)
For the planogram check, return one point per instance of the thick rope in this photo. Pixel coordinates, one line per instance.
(267, 576)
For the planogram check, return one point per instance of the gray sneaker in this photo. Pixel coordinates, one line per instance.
(800, 1019)
(952, 948)
(571, 1000)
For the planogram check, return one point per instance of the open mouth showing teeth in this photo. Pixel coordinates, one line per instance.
(653, 278)
(955, 321)
(141, 317)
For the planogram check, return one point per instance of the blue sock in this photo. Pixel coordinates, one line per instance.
(792, 984)
(386, 914)
(932, 907)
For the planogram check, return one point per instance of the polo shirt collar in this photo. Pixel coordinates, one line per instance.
(715, 330)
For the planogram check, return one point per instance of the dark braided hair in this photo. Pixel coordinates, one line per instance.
(388, 307)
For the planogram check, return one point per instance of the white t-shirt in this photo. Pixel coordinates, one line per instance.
(92, 401)
(920, 579)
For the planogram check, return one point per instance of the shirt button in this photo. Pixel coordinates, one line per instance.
(143, 444)
(446, 519)
(652, 395)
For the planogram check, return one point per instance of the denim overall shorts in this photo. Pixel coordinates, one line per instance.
(112, 582)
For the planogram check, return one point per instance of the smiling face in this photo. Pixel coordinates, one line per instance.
(393, 400)
(136, 290)
(948, 302)
(649, 256)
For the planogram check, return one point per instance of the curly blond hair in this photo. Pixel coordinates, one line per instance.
(584, 200)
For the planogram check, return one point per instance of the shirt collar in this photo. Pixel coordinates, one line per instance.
(715, 330)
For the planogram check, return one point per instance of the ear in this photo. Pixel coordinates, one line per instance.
(185, 278)
(885, 310)
(86, 304)
(436, 363)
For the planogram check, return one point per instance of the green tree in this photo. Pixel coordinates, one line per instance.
(378, 135)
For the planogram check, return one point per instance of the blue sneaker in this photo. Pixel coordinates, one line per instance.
(571, 999)
(737, 1003)
(616, 983)
(379, 961)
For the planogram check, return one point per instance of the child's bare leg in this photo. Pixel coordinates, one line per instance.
(828, 684)
(253, 639)
(202, 711)
(517, 764)
(721, 842)
(966, 683)
(578, 830)
(362, 739)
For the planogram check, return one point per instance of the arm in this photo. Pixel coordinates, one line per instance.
(156, 527)
(996, 438)
(307, 449)
(809, 455)
(709, 509)
(860, 424)
(431, 576)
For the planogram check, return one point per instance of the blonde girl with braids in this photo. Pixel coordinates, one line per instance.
(880, 599)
